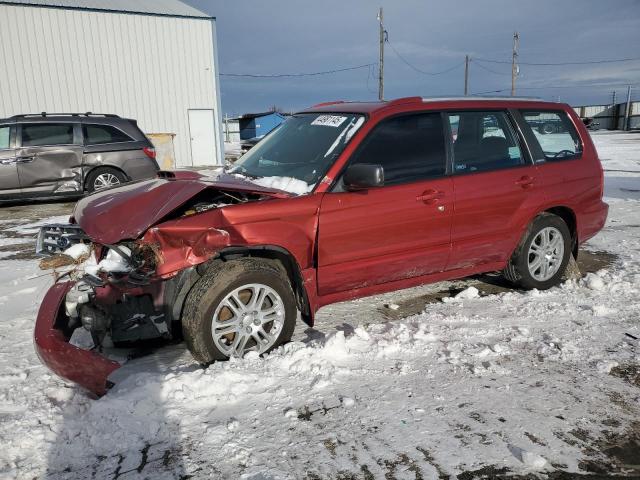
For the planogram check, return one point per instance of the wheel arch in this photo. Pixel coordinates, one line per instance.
(93, 168)
(569, 217)
(289, 264)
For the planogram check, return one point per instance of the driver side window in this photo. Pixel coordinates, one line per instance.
(410, 148)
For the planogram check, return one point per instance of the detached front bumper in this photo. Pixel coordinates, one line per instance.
(51, 337)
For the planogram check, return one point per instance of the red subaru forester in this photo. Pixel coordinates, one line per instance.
(343, 200)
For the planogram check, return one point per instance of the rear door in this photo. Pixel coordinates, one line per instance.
(49, 158)
(397, 231)
(9, 182)
(496, 187)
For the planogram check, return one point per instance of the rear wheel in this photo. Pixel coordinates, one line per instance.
(543, 254)
(240, 306)
(104, 177)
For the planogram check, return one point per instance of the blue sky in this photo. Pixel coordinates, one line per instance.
(290, 36)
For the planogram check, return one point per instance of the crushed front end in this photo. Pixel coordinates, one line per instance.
(125, 264)
(117, 297)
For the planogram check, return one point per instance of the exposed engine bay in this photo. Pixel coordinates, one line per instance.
(116, 296)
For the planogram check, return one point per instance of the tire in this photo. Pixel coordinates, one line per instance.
(210, 298)
(547, 128)
(522, 271)
(110, 177)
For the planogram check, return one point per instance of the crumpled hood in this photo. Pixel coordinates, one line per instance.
(125, 213)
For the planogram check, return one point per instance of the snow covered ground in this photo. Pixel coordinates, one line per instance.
(506, 383)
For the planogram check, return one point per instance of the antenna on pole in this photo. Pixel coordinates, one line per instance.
(381, 64)
(515, 70)
(466, 75)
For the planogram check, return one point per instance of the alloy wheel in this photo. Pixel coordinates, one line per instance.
(250, 318)
(105, 180)
(546, 253)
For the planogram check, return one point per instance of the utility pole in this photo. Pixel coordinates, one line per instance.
(614, 112)
(381, 64)
(514, 65)
(466, 75)
(628, 110)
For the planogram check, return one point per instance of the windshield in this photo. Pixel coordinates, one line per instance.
(299, 152)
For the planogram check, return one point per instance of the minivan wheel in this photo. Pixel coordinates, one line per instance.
(239, 306)
(104, 177)
(543, 254)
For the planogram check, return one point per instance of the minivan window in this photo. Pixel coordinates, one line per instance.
(101, 134)
(4, 137)
(40, 134)
(409, 148)
(483, 141)
(555, 133)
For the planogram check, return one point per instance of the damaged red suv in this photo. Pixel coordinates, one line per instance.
(342, 201)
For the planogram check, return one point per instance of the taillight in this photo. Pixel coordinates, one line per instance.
(150, 152)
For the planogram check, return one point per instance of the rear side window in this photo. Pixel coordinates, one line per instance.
(101, 134)
(409, 148)
(4, 137)
(555, 133)
(483, 141)
(41, 134)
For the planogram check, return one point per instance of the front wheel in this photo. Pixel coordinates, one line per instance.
(543, 254)
(240, 306)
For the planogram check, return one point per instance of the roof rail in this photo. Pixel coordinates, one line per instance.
(402, 100)
(480, 98)
(49, 114)
(326, 104)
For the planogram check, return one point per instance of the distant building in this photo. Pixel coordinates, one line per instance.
(151, 60)
(258, 124)
(611, 117)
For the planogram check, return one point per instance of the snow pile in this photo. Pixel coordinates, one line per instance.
(78, 251)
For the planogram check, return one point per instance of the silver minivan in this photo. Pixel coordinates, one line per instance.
(67, 155)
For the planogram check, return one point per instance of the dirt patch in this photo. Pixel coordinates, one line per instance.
(488, 284)
(630, 373)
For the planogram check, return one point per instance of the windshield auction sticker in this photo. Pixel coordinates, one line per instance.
(329, 120)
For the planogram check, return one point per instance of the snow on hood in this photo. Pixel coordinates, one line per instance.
(286, 184)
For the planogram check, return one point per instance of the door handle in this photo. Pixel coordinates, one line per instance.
(8, 161)
(25, 158)
(430, 196)
(525, 182)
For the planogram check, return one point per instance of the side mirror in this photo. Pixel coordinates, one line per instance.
(363, 176)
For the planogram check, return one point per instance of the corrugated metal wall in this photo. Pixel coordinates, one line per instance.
(150, 68)
(611, 117)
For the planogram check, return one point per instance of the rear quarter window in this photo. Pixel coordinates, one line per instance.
(103, 134)
(555, 134)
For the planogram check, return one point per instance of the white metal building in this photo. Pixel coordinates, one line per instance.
(151, 60)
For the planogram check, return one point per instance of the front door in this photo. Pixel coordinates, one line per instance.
(9, 182)
(202, 132)
(49, 158)
(397, 231)
(494, 188)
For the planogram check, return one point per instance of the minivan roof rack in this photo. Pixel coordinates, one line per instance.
(49, 114)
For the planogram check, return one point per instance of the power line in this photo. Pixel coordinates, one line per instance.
(283, 75)
(409, 64)
(593, 85)
(489, 70)
(559, 63)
